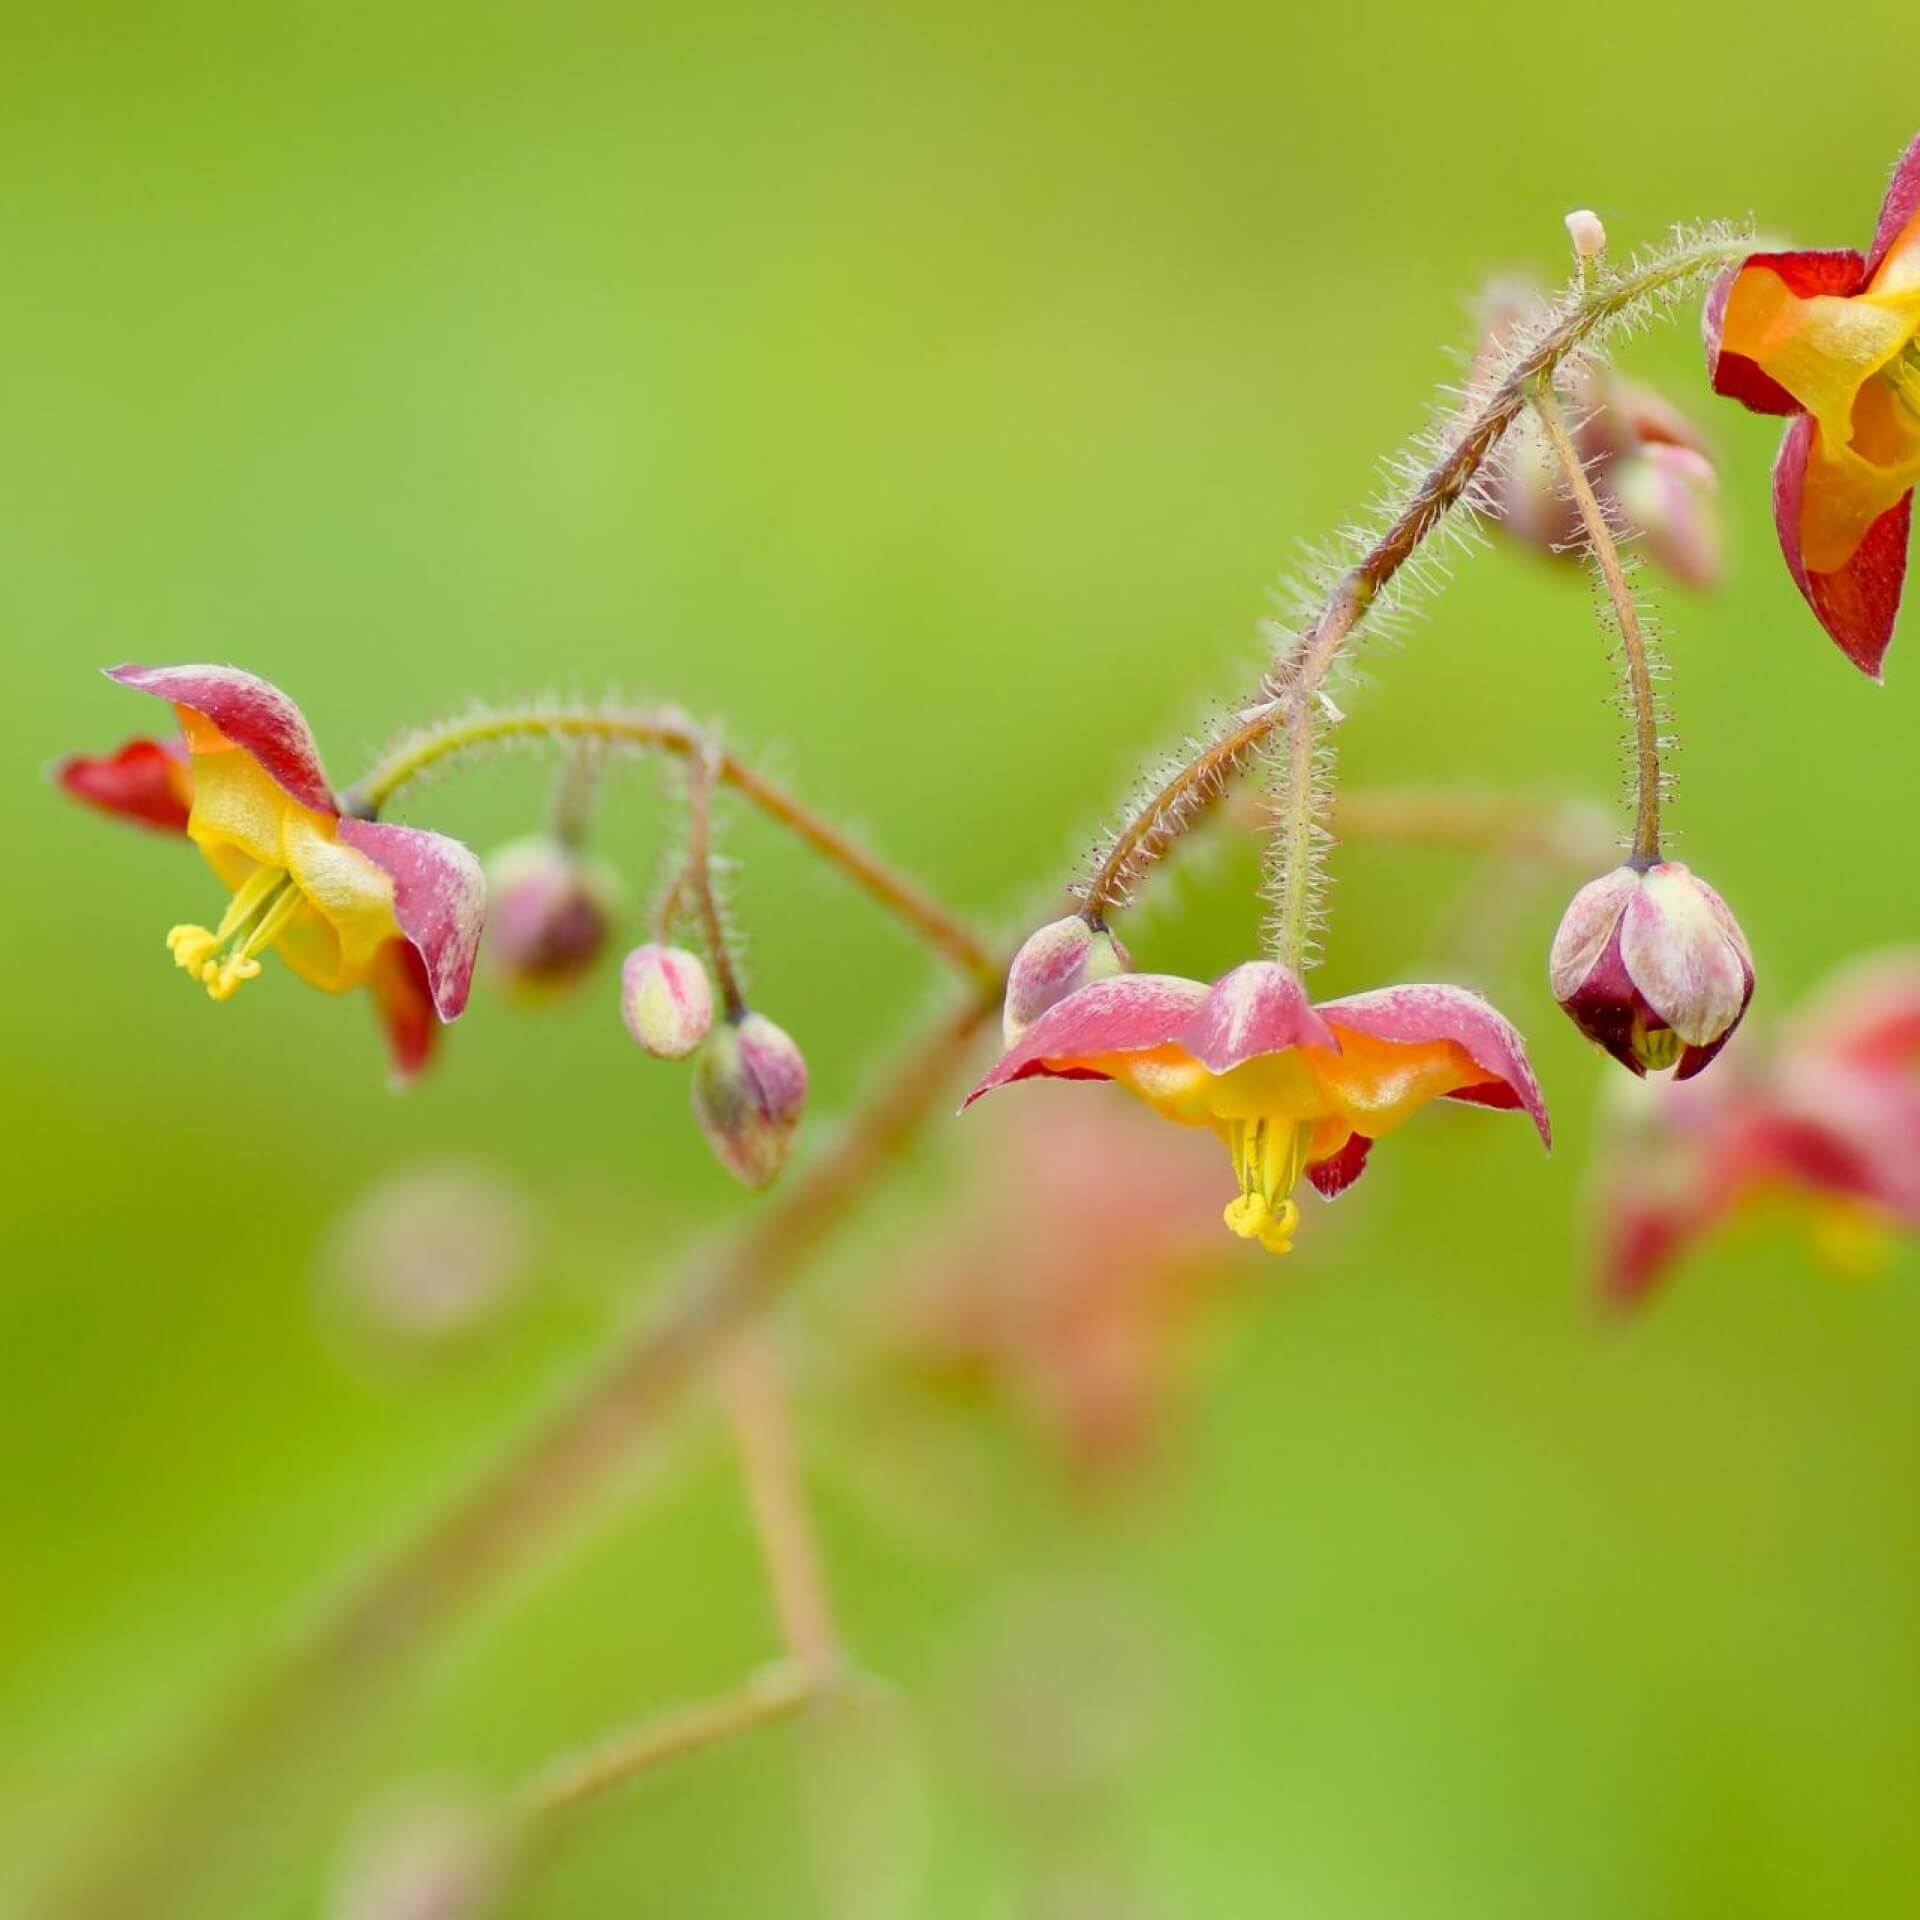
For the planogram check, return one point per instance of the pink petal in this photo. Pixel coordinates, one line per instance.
(1590, 922)
(1857, 603)
(1333, 1176)
(1836, 270)
(255, 715)
(1868, 1012)
(1413, 1014)
(1898, 208)
(439, 899)
(1256, 1009)
(148, 781)
(1127, 1014)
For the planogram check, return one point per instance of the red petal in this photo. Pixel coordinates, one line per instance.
(404, 1002)
(1867, 1013)
(1837, 270)
(1898, 208)
(1256, 1009)
(1127, 1014)
(1856, 603)
(439, 899)
(1333, 1176)
(1414, 1014)
(148, 781)
(256, 716)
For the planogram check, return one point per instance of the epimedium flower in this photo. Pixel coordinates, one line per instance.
(345, 902)
(1652, 967)
(1831, 338)
(1290, 1089)
(1823, 1129)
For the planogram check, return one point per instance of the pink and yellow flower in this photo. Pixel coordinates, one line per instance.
(345, 902)
(1832, 339)
(1289, 1088)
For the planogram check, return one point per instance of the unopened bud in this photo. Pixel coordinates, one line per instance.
(1057, 960)
(1667, 491)
(1653, 968)
(550, 910)
(1589, 237)
(666, 1000)
(749, 1089)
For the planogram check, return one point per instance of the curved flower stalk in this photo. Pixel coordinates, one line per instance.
(1290, 1089)
(345, 903)
(1831, 339)
(1822, 1129)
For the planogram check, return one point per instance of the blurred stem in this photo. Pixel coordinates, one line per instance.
(637, 730)
(1171, 812)
(698, 878)
(1626, 616)
(755, 1398)
(159, 1849)
(1574, 832)
(574, 791)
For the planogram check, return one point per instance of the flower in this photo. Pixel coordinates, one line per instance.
(1289, 1088)
(1824, 1127)
(1653, 968)
(344, 902)
(553, 906)
(1648, 462)
(1832, 339)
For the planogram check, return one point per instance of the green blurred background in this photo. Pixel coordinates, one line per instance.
(932, 393)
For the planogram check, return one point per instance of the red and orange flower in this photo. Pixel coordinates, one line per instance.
(1290, 1089)
(1832, 339)
(345, 902)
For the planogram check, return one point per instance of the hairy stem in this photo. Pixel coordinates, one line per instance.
(1626, 616)
(1294, 852)
(161, 1849)
(699, 879)
(641, 730)
(1171, 811)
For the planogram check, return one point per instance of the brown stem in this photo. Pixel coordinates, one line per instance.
(161, 1851)
(1606, 554)
(699, 879)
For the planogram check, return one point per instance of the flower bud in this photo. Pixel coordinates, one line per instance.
(1653, 968)
(1589, 237)
(749, 1087)
(550, 910)
(1056, 960)
(666, 1000)
(1667, 491)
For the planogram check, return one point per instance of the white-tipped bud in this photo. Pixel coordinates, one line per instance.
(666, 1000)
(749, 1089)
(1055, 961)
(1589, 237)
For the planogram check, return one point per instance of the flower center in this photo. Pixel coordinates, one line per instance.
(1268, 1156)
(1903, 376)
(220, 960)
(1656, 1048)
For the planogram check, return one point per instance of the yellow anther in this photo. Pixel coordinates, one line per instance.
(1903, 375)
(1656, 1048)
(220, 960)
(1253, 1219)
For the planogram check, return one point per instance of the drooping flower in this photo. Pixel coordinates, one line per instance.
(1289, 1088)
(666, 999)
(552, 908)
(1831, 338)
(345, 902)
(1653, 968)
(749, 1091)
(1824, 1128)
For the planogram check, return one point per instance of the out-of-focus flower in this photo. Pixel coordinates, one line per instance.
(428, 1254)
(749, 1090)
(551, 910)
(1054, 961)
(430, 1856)
(1825, 1125)
(1649, 464)
(345, 903)
(1653, 968)
(1070, 1276)
(1832, 339)
(666, 1000)
(1289, 1089)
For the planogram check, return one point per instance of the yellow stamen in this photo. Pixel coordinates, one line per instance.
(1268, 1155)
(220, 960)
(1903, 375)
(1656, 1048)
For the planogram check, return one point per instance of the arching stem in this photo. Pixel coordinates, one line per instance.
(704, 773)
